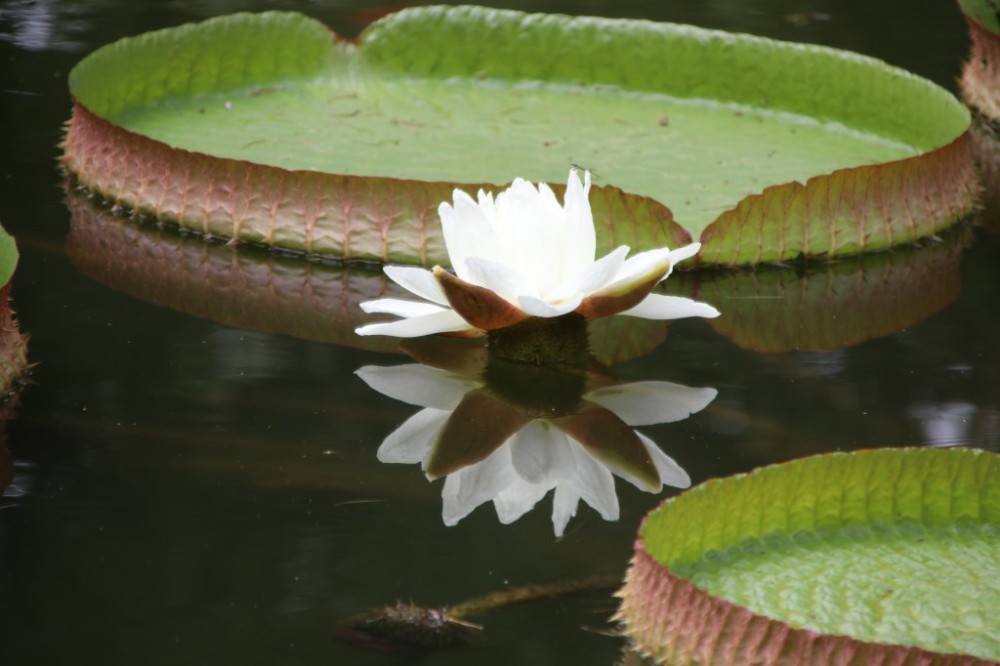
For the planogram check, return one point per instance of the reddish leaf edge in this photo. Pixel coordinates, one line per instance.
(835, 304)
(850, 211)
(979, 83)
(288, 209)
(706, 629)
(670, 620)
(14, 364)
(313, 214)
(263, 289)
(979, 86)
(250, 288)
(382, 220)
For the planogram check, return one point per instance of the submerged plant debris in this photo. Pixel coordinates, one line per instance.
(407, 627)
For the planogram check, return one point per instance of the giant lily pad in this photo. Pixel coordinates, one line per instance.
(829, 306)
(980, 82)
(833, 305)
(875, 557)
(980, 85)
(263, 292)
(765, 150)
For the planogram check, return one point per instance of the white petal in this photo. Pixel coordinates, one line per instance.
(445, 321)
(453, 510)
(640, 265)
(485, 200)
(659, 306)
(644, 403)
(467, 488)
(581, 239)
(417, 384)
(400, 307)
(671, 473)
(531, 235)
(548, 202)
(419, 281)
(594, 483)
(642, 482)
(539, 308)
(518, 499)
(412, 442)
(541, 454)
(501, 279)
(682, 253)
(594, 277)
(467, 232)
(679, 255)
(564, 503)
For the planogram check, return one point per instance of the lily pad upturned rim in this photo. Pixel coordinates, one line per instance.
(253, 289)
(673, 620)
(13, 343)
(980, 80)
(8, 256)
(851, 210)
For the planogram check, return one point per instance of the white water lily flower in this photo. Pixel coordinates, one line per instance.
(517, 456)
(524, 255)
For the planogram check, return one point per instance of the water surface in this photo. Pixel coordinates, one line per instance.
(197, 488)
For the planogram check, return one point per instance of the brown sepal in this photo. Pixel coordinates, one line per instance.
(611, 441)
(480, 425)
(604, 305)
(479, 306)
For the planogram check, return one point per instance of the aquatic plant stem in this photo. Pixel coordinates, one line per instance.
(488, 602)
(408, 627)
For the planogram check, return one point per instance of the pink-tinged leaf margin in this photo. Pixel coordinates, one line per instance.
(255, 291)
(849, 211)
(832, 306)
(368, 218)
(673, 621)
(980, 80)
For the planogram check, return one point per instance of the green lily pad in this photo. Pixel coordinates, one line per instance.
(263, 292)
(13, 343)
(765, 150)
(830, 306)
(252, 290)
(8, 257)
(833, 305)
(980, 82)
(883, 556)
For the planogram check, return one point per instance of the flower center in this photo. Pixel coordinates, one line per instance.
(556, 341)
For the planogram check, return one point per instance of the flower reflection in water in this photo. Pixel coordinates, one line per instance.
(511, 432)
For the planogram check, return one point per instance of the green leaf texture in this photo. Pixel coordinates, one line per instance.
(766, 150)
(873, 554)
(13, 343)
(980, 82)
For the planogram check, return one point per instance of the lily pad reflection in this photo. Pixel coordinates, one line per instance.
(510, 433)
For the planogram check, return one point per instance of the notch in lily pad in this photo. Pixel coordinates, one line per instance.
(323, 146)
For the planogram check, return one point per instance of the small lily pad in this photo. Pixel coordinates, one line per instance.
(883, 556)
(13, 343)
(765, 150)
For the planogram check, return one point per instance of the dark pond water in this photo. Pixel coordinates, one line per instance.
(193, 484)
